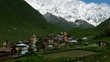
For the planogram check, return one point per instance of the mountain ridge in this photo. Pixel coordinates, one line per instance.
(61, 22)
(72, 10)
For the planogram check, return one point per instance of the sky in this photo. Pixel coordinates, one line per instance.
(97, 1)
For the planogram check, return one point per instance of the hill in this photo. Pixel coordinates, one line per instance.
(19, 21)
(104, 29)
(104, 25)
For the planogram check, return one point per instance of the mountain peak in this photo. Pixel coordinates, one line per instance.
(72, 10)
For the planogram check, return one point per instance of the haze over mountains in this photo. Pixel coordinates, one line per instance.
(72, 10)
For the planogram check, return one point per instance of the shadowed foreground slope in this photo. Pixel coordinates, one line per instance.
(18, 20)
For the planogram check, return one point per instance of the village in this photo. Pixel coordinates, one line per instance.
(49, 42)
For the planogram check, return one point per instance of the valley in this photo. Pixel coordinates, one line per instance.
(57, 36)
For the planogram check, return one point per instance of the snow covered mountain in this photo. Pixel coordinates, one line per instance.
(61, 22)
(72, 10)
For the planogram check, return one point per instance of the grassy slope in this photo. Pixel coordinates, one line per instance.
(84, 32)
(92, 31)
(105, 25)
(18, 21)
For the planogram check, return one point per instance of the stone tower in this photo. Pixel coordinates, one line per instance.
(33, 40)
(65, 37)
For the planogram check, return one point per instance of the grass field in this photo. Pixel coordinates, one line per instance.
(70, 54)
(55, 57)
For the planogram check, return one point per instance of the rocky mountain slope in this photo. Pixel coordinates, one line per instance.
(61, 22)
